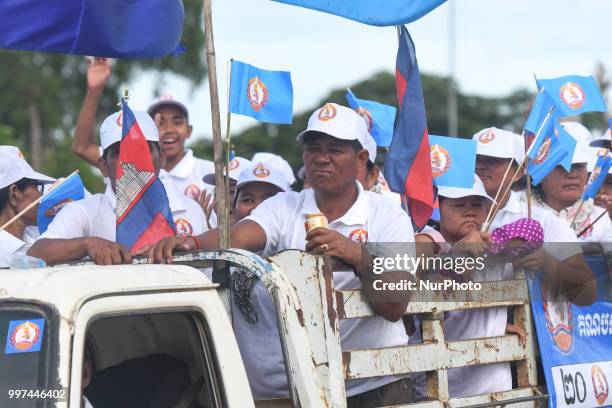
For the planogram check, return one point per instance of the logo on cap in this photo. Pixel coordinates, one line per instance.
(559, 322)
(119, 120)
(367, 116)
(183, 227)
(25, 336)
(234, 164)
(543, 151)
(261, 171)
(257, 93)
(440, 160)
(486, 137)
(359, 235)
(572, 95)
(600, 384)
(328, 112)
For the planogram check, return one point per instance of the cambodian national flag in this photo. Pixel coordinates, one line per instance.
(67, 190)
(373, 12)
(264, 95)
(408, 164)
(574, 94)
(143, 212)
(378, 116)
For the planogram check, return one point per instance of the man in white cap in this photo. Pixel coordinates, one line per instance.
(560, 256)
(20, 185)
(333, 153)
(276, 161)
(88, 227)
(180, 168)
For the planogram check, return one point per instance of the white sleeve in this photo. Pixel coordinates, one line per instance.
(270, 215)
(71, 222)
(559, 239)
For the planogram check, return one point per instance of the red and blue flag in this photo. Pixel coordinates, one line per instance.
(143, 212)
(408, 163)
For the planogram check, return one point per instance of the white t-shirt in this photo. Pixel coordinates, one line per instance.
(282, 218)
(187, 175)
(95, 217)
(10, 246)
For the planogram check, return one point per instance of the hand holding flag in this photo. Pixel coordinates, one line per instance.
(67, 190)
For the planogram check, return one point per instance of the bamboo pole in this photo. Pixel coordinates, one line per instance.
(592, 224)
(221, 192)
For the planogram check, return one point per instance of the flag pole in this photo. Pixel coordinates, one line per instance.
(593, 223)
(35, 202)
(228, 136)
(221, 195)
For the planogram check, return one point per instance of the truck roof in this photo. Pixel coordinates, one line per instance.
(68, 286)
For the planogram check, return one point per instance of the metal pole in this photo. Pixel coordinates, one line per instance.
(221, 193)
(453, 119)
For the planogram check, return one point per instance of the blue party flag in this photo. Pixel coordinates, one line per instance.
(373, 12)
(108, 28)
(266, 96)
(598, 175)
(573, 94)
(378, 116)
(543, 109)
(70, 189)
(556, 148)
(453, 161)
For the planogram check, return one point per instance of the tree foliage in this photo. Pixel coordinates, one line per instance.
(55, 85)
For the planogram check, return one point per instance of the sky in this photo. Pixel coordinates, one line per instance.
(500, 45)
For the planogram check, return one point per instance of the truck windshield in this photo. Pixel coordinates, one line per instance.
(24, 349)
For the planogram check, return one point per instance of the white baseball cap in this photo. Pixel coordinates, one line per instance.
(460, 192)
(337, 121)
(110, 131)
(602, 141)
(13, 168)
(167, 99)
(500, 143)
(370, 146)
(14, 150)
(578, 132)
(276, 161)
(262, 173)
(236, 167)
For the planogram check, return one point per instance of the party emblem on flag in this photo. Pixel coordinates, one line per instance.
(257, 93)
(52, 212)
(543, 151)
(559, 321)
(261, 171)
(572, 95)
(440, 160)
(600, 384)
(25, 336)
(359, 235)
(328, 112)
(486, 137)
(367, 116)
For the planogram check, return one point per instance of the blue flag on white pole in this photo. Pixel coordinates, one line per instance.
(598, 175)
(372, 12)
(453, 161)
(71, 189)
(266, 96)
(573, 94)
(379, 117)
(552, 149)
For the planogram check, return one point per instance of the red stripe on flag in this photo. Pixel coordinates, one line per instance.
(400, 85)
(419, 189)
(158, 229)
(135, 200)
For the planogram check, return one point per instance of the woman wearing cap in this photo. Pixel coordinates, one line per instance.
(20, 185)
(561, 192)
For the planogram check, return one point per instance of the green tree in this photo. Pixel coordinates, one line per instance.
(42, 94)
(475, 113)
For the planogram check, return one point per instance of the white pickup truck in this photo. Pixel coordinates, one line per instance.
(159, 336)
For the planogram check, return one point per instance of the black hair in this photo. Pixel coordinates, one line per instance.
(21, 186)
(370, 166)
